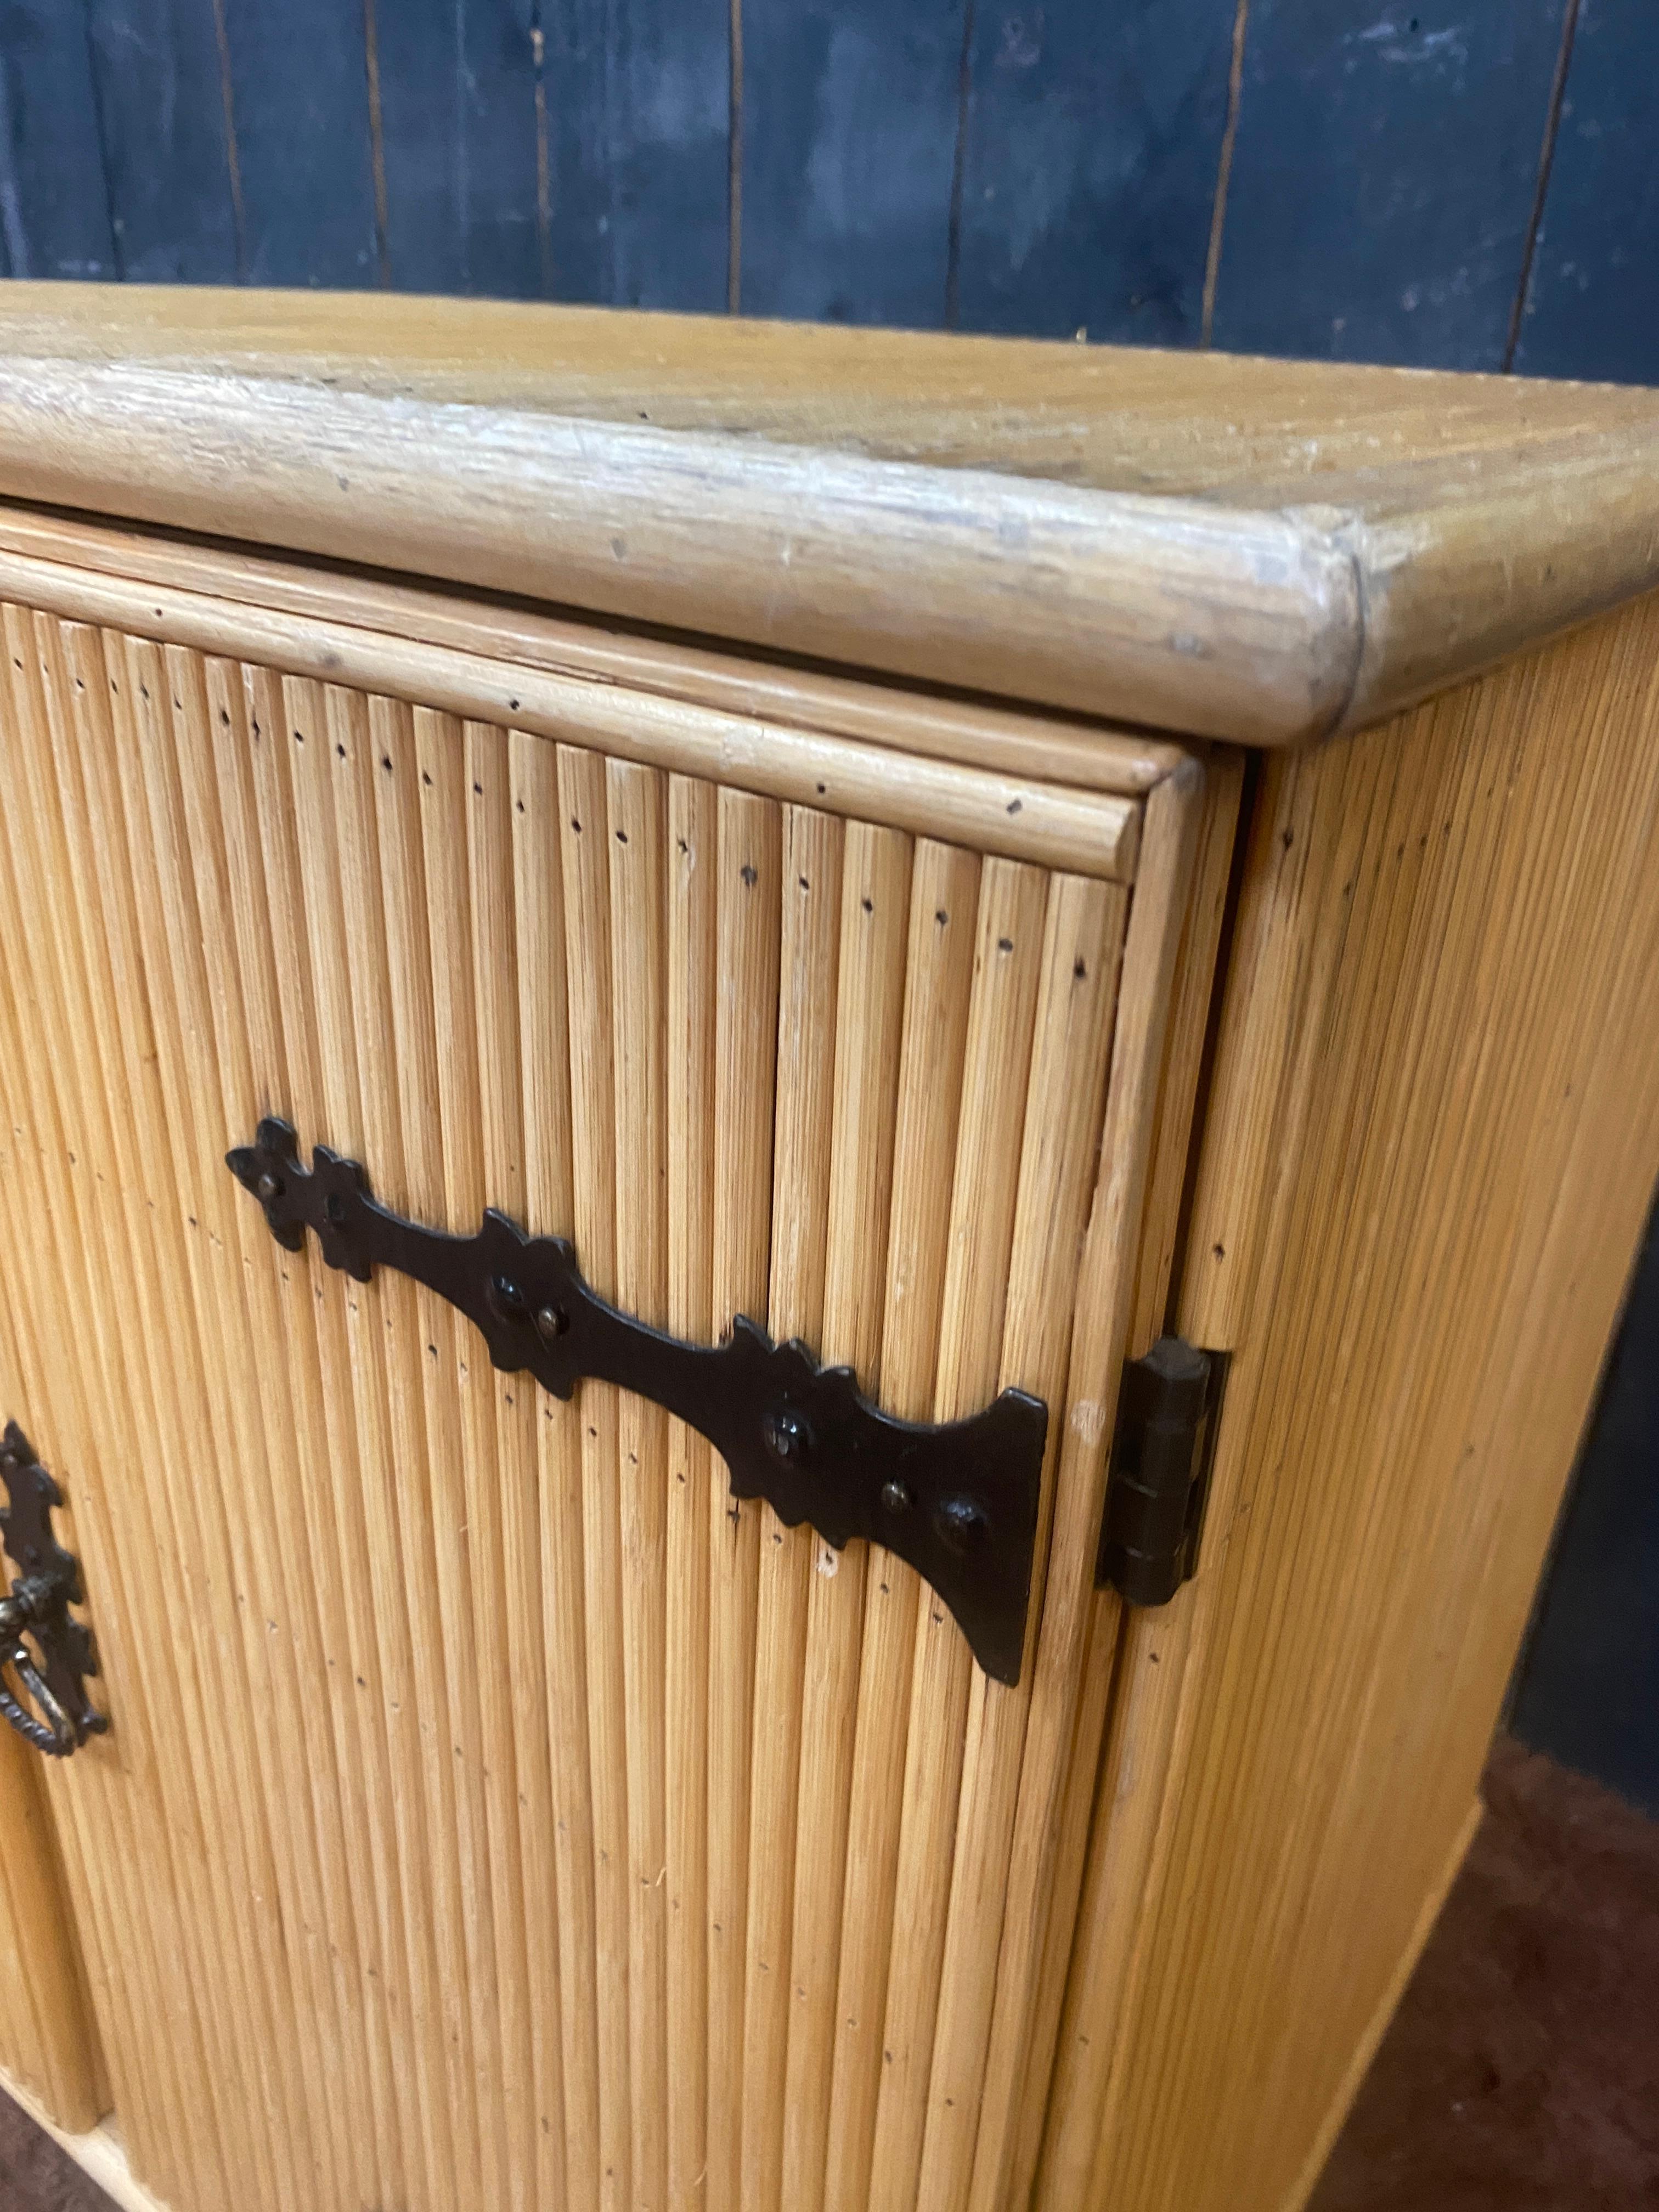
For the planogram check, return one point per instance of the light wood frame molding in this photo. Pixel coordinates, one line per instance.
(1094, 833)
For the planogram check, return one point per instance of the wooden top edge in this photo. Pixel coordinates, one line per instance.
(934, 508)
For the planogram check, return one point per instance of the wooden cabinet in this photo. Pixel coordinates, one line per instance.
(497, 1807)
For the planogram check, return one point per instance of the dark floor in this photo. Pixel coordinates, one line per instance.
(1523, 2072)
(35, 2176)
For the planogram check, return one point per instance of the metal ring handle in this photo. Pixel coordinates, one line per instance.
(55, 1734)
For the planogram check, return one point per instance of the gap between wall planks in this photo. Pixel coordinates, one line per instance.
(1494, 887)
(1057, 748)
(325, 925)
(1095, 833)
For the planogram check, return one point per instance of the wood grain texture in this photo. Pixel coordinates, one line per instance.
(54, 203)
(1212, 546)
(1092, 139)
(1096, 834)
(1422, 1174)
(162, 126)
(944, 899)
(638, 109)
(499, 1823)
(1382, 179)
(300, 93)
(1593, 306)
(458, 118)
(1018, 2142)
(48, 2037)
(977, 734)
(1043, 590)
(850, 121)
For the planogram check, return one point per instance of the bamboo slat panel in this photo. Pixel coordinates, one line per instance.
(495, 1813)
(48, 2039)
(1433, 1137)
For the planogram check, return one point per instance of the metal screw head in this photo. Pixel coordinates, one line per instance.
(895, 1495)
(552, 1320)
(786, 1436)
(961, 1523)
(268, 1188)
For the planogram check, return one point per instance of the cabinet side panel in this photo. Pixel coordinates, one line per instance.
(1430, 1141)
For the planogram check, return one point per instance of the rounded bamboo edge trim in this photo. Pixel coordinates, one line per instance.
(1021, 819)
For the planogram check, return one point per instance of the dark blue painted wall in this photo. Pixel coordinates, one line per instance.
(1469, 183)
(1465, 184)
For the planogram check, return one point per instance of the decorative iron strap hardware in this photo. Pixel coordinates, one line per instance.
(39, 1608)
(1159, 1481)
(956, 1501)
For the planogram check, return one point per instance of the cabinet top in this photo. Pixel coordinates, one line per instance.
(1261, 550)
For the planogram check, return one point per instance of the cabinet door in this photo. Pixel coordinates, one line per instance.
(494, 1811)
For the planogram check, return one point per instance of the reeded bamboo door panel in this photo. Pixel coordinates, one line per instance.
(494, 1812)
(48, 2041)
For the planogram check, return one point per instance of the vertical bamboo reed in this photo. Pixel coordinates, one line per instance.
(584, 837)
(870, 1002)
(1007, 972)
(938, 979)
(521, 1820)
(545, 1048)
(692, 915)
(749, 846)
(811, 859)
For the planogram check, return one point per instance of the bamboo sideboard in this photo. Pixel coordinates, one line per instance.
(911, 871)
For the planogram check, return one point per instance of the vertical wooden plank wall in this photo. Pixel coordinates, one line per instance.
(1260, 174)
(458, 111)
(1091, 143)
(1423, 129)
(299, 101)
(158, 76)
(639, 120)
(1593, 307)
(850, 120)
(54, 208)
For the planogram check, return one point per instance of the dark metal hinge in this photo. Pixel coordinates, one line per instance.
(1159, 1479)
(956, 1500)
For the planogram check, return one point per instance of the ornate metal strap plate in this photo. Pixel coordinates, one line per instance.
(38, 1608)
(957, 1501)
